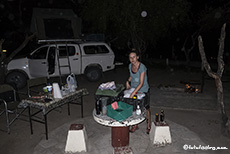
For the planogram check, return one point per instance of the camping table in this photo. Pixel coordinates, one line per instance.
(46, 107)
(119, 130)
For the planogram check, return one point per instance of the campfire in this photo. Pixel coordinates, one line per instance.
(191, 88)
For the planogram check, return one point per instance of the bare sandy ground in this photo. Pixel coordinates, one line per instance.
(197, 112)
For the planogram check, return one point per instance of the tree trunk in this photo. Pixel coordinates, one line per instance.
(220, 98)
(225, 128)
(202, 78)
(220, 95)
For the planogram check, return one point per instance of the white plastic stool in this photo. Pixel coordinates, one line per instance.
(76, 140)
(160, 134)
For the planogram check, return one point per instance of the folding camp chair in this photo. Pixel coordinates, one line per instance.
(9, 104)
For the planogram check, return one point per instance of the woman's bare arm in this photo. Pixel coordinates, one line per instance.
(142, 78)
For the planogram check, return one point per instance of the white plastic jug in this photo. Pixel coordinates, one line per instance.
(56, 91)
(71, 82)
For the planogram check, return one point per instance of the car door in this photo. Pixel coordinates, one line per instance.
(52, 61)
(38, 62)
(74, 59)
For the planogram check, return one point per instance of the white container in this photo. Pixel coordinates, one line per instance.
(104, 105)
(138, 110)
(56, 91)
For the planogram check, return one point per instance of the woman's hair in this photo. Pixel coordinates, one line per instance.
(134, 51)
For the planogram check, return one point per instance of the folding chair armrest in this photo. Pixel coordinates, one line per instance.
(3, 101)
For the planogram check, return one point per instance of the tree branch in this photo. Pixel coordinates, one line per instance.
(25, 42)
(204, 59)
(221, 52)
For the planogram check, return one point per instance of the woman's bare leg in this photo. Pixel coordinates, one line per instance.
(148, 118)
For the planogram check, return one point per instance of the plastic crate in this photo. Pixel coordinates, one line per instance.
(121, 113)
(134, 102)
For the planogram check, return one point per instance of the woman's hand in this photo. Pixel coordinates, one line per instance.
(131, 95)
(127, 85)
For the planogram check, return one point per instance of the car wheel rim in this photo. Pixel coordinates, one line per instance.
(16, 80)
(93, 75)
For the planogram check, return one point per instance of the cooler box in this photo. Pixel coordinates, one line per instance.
(113, 95)
(121, 113)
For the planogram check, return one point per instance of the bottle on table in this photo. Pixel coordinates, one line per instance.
(138, 110)
(49, 90)
(104, 101)
(97, 106)
(157, 117)
(162, 116)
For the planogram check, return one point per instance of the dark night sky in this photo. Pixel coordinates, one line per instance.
(10, 14)
(11, 8)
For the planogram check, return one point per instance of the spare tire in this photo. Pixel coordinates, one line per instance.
(17, 78)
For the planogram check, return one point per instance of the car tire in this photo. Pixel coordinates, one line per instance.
(93, 74)
(17, 78)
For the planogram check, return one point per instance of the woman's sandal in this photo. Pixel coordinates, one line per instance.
(148, 130)
(134, 128)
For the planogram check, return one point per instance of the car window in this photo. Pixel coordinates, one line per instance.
(102, 49)
(40, 53)
(63, 50)
(90, 49)
(96, 49)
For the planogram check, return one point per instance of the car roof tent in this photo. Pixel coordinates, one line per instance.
(55, 24)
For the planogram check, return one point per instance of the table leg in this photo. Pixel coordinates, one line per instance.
(46, 127)
(81, 106)
(120, 136)
(30, 120)
(68, 108)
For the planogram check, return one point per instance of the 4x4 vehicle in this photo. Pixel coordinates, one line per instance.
(59, 58)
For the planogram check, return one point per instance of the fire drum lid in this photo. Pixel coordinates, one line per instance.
(76, 127)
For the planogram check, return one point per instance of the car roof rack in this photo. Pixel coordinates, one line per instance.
(60, 41)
